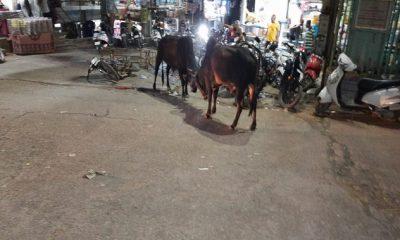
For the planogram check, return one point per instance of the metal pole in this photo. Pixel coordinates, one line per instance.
(243, 8)
(333, 12)
(287, 9)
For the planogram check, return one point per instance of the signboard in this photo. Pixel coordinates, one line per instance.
(373, 14)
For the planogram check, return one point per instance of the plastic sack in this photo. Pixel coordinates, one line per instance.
(345, 63)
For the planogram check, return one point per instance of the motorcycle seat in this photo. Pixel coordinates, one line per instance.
(368, 84)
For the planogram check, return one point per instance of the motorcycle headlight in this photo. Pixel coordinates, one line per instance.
(203, 31)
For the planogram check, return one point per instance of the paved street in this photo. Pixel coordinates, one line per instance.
(172, 174)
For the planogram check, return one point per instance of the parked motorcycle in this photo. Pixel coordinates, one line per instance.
(274, 61)
(101, 40)
(131, 37)
(290, 89)
(348, 90)
(156, 34)
(158, 31)
(270, 65)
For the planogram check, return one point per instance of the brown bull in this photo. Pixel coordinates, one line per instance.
(177, 52)
(231, 66)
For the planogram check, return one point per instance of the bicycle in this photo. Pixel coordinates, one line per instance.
(114, 68)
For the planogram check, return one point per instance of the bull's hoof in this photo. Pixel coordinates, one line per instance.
(214, 110)
(207, 116)
(233, 127)
(154, 87)
(253, 126)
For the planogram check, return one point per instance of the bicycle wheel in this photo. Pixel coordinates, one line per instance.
(110, 73)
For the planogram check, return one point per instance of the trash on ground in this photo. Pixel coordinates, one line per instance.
(203, 169)
(27, 164)
(62, 112)
(92, 174)
(203, 157)
(47, 167)
(256, 153)
(72, 155)
(143, 77)
(102, 173)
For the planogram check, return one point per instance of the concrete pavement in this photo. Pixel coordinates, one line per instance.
(171, 174)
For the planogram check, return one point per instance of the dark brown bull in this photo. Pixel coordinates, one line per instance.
(231, 66)
(177, 52)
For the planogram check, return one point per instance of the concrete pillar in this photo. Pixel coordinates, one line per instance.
(243, 8)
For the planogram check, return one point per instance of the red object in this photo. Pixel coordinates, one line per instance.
(314, 66)
(24, 44)
(3, 28)
(123, 87)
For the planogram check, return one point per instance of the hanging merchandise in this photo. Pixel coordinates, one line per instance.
(214, 10)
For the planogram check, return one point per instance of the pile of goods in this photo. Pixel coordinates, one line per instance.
(31, 35)
(5, 14)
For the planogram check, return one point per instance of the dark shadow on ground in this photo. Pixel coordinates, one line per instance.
(365, 118)
(211, 128)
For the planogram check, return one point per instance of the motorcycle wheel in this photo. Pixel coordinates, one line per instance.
(125, 43)
(321, 109)
(139, 43)
(307, 83)
(290, 94)
(110, 73)
(277, 80)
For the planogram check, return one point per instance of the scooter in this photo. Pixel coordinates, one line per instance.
(348, 90)
(101, 40)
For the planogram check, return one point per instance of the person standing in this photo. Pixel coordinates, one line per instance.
(309, 37)
(235, 32)
(273, 31)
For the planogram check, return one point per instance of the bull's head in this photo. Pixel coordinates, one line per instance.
(191, 77)
(198, 82)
